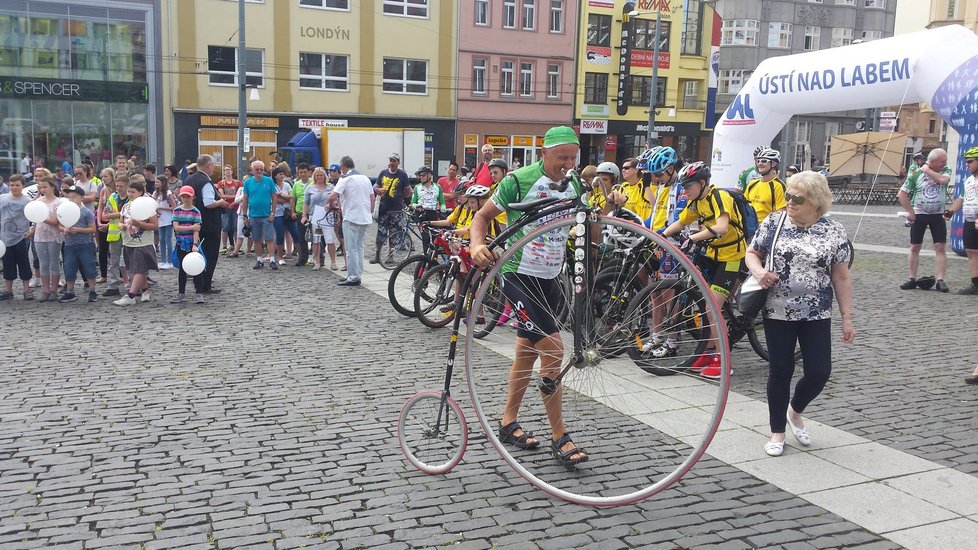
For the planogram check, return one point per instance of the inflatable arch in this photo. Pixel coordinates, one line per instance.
(937, 66)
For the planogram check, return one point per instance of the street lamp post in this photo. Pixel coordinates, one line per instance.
(242, 88)
(650, 133)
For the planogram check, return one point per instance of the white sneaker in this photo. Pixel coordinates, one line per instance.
(125, 301)
(145, 297)
(166, 266)
(281, 262)
(35, 283)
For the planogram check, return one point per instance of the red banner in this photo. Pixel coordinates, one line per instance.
(643, 58)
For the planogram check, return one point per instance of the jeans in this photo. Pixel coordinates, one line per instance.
(166, 243)
(115, 262)
(80, 257)
(49, 258)
(229, 222)
(283, 224)
(355, 234)
(815, 339)
(18, 258)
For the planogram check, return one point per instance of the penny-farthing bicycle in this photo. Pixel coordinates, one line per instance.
(641, 433)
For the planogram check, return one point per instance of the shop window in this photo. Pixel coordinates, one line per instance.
(405, 76)
(406, 8)
(323, 71)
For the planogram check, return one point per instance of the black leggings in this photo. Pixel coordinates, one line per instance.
(103, 253)
(815, 338)
(182, 276)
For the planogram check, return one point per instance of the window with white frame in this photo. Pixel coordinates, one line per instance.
(814, 1)
(691, 94)
(739, 32)
(506, 69)
(802, 142)
(779, 35)
(222, 66)
(323, 71)
(880, 4)
(482, 13)
(479, 75)
(529, 15)
(405, 76)
(526, 79)
(556, 15)
(872, 35)
(813, 36)
(509, 14)
(326, 4)
(831, 129)
(553, 81)
(730, 81)
(845, 2)
(952, 9)
(408, 8)
(841, 37)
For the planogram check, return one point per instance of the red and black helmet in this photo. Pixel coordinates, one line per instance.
(694, 172)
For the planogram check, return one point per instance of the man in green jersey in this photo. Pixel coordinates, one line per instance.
(529, 284)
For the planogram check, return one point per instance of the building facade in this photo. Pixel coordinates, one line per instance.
(79, 81)
(364, 63)
(953, 12)
(516, 75)
(615, 89)
(753, 30)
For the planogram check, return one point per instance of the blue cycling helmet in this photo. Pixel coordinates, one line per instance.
(334, 167)
(643, 159)
(663, 158)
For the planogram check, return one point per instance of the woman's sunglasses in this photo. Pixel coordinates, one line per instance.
(797, 199)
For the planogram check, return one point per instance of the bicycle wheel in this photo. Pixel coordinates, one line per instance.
(403, 283)
(493, 308)
(758, 341)
(641, 433)
(685, 339)
(397, 248)
(613, 292)
(434, 299)
(431, 431)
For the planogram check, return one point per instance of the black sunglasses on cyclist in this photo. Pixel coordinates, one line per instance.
(629, 167)
(797, 199)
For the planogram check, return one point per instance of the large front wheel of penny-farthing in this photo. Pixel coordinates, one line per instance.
(431, 431)
(641, 433)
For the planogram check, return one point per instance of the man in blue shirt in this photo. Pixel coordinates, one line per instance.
(258, 213)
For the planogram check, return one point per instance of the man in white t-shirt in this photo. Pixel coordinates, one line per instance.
(356, 194)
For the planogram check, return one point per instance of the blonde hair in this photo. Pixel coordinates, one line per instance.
(588, 173)
(107, 171)
(319, 170)
(815, 187)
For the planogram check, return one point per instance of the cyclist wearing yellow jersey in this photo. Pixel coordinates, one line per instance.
(720, 224)
(461, 217)
(633, 189)
(766, 193)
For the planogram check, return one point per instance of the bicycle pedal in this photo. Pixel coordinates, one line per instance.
(547, 386)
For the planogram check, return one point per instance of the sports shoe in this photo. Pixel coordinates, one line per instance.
(35, 283)
(711, 369)
(258, 265)
(68, 297)
(125, 301)
(909, 284)
(29, 295)
(92, 296)
(971, 290)
(178, 299)
(145, 297)
(199, 299)
(111, 292)
(6, 295)
(274, 265)
(317, 267)
(664, 350)
(224, 250)
(281, 262)
(941, 286)
(48, 297)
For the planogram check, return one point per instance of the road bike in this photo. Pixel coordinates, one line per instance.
(402, 233)
(403, 281)
(641, 433)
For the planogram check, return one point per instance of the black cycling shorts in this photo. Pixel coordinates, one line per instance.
(722, 276)
(970, 236)
(936, 224)
(535, 303)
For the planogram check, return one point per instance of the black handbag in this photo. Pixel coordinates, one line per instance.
(752, 297)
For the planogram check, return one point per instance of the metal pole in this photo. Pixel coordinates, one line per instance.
(655, 80)
(242, 96)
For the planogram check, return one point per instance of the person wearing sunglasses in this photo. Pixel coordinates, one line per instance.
(766, 193)
(811, 259)
(750, 173)
(923, 196)
(632, 189)
(721, 226)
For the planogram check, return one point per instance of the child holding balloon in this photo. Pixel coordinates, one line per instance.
(186, 227)
(15, 234)
(47, 240)
(138, 249)
(79, 250)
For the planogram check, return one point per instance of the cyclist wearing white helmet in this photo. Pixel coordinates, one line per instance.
(766, 193)
(461, 218)
(751, 173)
(606, 178)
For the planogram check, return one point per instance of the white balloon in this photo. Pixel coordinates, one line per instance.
(68, 213)
(36, 211)
(3, 249)
(194, 264)
(142, 208)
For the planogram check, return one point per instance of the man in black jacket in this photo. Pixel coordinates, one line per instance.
(211, 207)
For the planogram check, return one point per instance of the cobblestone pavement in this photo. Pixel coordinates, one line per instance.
(266, 419)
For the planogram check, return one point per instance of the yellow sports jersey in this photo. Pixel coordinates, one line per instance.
(501, 218)
(462, 216)
(660, 217)
(765, 197)
(635, 199)
(730, 247)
